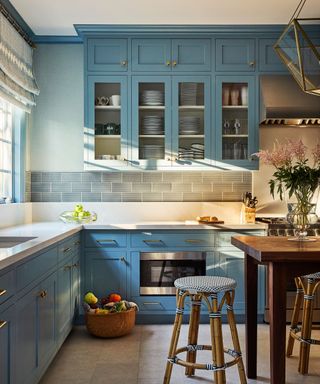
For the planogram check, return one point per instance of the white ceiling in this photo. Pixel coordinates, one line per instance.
(56, 17)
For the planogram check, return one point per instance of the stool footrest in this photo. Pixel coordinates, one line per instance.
(294, 333)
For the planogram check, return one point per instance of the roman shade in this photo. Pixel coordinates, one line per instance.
(17, 83)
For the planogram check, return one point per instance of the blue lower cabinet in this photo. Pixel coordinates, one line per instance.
(6, 345)
(35, 330)
(106, 272)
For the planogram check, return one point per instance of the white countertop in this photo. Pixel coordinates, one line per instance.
(49, 233)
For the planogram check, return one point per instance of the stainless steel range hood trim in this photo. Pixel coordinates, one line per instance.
(283, 103)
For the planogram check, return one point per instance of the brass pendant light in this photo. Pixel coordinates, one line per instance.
(299, 53)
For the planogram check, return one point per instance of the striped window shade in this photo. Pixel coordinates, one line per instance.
(17, 83)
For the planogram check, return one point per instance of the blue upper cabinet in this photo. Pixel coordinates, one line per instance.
(107, 55)
(235, 55)
(236, 125)
(151, 55)
(269, 61)
(165, 55)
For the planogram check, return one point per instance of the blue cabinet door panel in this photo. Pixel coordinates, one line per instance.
(7, 285)
(107, 55)
(151, 55)
(6, 346)
(235, 55)
(64, 299)
(191, 54)
(268, 59)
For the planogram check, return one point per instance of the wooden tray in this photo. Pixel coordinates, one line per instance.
(211, 222)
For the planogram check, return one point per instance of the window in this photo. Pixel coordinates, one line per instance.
(6, 149)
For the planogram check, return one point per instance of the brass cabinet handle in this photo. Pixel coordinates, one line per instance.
(77, 242)
(76, 265)
(123, 63)
(168, 63)
(3, 292)
(152, 303)
(67, 250)
(193, 241)
(107, 241)
(252, 63)
(2, 323)
(174, 63)
(153, 242)
(123, 260)
(43, 294)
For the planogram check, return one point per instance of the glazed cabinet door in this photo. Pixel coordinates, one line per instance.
(191, 129)
(236, 125)
(106, 130)
(151, 122)
(107, 55)
(106, 272)
(6, 346)
(235, 55)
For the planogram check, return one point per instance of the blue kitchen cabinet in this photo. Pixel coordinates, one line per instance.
(104, 55)
(106, 132)
(235, 119)
(35, 329)
(106, 272)
(75, 287)
(269, 61)
(7, 318)
(166, 55)
(235, 55)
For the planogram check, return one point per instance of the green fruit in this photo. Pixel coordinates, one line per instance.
(78, 208)
(90, 298)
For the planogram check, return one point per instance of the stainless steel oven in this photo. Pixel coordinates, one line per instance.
(159, 270)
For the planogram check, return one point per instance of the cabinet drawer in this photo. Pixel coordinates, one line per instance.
(172, 240)
(223, 239)
(107, 55)
(235, 55)
(7, 285)
(155, 304)
(66, 249)
(106, 239)
(35, 268)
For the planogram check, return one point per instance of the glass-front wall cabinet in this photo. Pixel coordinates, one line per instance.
(235, 119)
(106, 133)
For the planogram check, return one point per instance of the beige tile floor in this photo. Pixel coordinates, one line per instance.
(139, 358)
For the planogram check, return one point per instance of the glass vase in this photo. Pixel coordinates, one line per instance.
(301, 216)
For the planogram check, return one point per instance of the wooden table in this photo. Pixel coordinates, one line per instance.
(284, 260)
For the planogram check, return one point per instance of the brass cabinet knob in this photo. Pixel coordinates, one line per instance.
(67, 267)
(2, 323)
(123, 63)
(3, 292)
(43, 294)
(174, 63)
(76, 265)
(252, 63)
(168, 62)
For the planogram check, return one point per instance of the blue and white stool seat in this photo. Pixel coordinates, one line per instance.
(209, 284)
(313, 276)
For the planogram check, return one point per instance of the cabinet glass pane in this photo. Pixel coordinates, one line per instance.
(235, 121)
(151, 121)
(107, 121)
(191, 121)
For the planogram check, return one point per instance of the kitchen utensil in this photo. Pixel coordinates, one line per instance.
(244, 95)
(226, 127)
(115, 100)
(236, 126)
(225, 95)
(235, 96)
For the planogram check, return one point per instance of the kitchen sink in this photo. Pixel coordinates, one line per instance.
(12, 241)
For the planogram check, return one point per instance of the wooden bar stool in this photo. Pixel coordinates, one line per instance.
(306, 288)
(205, 288)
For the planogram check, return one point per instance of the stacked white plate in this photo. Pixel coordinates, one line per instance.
(152, 151)
(195, 152)
(152, 125)
(151, 97)
(189, 125)
(188, 94)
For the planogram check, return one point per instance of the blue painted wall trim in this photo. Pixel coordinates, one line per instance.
(53, 39)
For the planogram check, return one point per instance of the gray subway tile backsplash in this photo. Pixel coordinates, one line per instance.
(139, 186)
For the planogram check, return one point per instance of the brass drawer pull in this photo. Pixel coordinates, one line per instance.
(77, 242)
(193, 241)
(67, 250)
(76, 265)
(2, 323)
(107, 241)
(3, 292)
(152, 303)
(153, 242)
(123, 260)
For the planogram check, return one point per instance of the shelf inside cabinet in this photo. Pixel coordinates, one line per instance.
(108, 107)
(234, 135)
(191, 107)
(152, 136)
(152, 107)
(107, 136)
(234, 107)
(192, 136)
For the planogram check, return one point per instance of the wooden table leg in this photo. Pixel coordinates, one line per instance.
(251, 289)
(277, 303)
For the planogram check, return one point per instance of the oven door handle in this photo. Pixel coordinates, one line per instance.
(153, 243)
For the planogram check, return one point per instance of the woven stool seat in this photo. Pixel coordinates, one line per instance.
(313, 276)
(209, 284)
